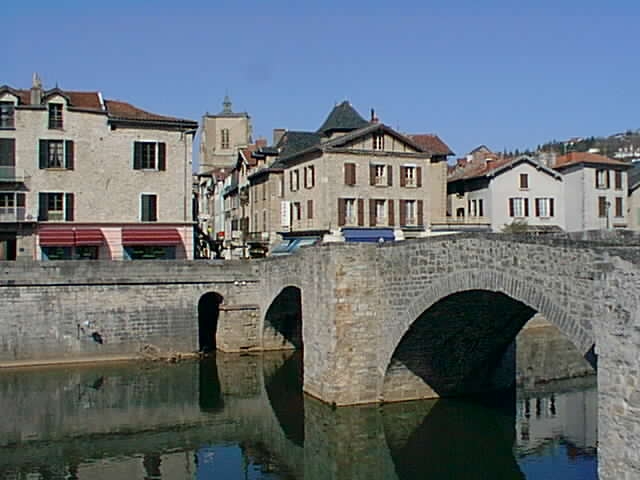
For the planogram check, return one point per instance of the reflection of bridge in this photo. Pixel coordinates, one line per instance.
(415, 319)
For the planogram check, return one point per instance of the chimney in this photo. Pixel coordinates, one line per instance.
(277, 135)
(36, 90)
(261, 142)
(374, 119)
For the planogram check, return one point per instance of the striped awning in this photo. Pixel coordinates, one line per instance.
(70, 236)
(150, 236)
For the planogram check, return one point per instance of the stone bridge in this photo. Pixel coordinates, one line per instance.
(377, 323)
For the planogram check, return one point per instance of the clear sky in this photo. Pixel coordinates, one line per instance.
(508, 74)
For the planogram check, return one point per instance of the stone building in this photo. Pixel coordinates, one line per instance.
(351, 180)
(633, 207)
(86, 177)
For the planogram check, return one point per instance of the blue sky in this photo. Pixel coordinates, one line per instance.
(503, 73)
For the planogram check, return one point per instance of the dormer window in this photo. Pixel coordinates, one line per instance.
(55, 116)
(6, 114)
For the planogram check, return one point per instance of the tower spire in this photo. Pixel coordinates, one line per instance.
(226, 105)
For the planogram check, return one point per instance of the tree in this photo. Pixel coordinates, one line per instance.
(516, 226)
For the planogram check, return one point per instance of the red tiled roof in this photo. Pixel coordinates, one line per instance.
(126, 111)
(575, 158)
(87, 100)
(432, 143)
(478, 168)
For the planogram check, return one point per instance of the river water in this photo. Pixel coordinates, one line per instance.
(245, 417)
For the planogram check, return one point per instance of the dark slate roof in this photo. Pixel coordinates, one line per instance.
(343, 118)
(293, 142)
(633, 177)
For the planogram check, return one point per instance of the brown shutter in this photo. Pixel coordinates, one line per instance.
(309, 208)
(607, 178)
(551, 207)
(372, 174)
(43, 211)
(392, 220)
(69, 155)
(596, 179)
(618, 177)
(389, 175)
(403, 176)
(537, 207)
(403, 212)
(420, 213)
(341, 212)
(511, 207)
(137, 155)
(306, 184)
(68, 207)
(419, 177)
(372, 212)
(313, 176)
(162, 156)
(7, 152)
(350, 173)
(44, 153)
(360, 212)
(526, 207)
(20, 200)
(153, 208)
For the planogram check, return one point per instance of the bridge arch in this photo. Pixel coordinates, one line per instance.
(208, 315)
(282, 322)
(523, 295)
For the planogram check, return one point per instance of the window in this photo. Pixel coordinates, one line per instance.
(619, 209)
(347, 211)
(378, 141)
(7, 158)
(380, 211)
(410, 212)
(380, 174)
(56, 154)
(281, 186)
(603, 206)
(381, 177)
(476, 208)
(12, 206)
(618, 179)
(6, 114)
(294, 180)
(309, 177)
(602, 178)
(224, 139)
(410, 176)
(524, 180)
(309, 209)
(518, 207)
(149, 156)
(56, 206)
(296, 211)
(544, 207)
(55, 116)
(349, 173)
(148, 207)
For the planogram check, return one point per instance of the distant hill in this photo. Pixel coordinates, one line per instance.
(623, 146)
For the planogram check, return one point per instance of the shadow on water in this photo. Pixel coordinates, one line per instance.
(284, 389)
(452, 439)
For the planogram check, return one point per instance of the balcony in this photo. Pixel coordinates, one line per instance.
(13, 215)
(461, 224)
(12, 174)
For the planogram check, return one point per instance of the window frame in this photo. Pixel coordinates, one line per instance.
(378, 141)
(602, 179)
(7, 115)
(56, 118)
(225, 142)
(523, 181)
(149, 195)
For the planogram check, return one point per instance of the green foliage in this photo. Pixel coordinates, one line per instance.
(516, 226)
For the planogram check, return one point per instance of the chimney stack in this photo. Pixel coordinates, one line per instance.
(277, 135)
(374, 119)
(36, 90)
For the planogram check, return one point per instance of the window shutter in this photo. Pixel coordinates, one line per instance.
(607, 173)
(597, 179)
(44, 153)
(392, 220)
(20, 200)
(403, 176)
(511, 212)
(313, 176)
(68, 207)
(162, 156)
(341, 212)
(306, 174)
(551, 207)
(526, 207)
(372, 174)
(153, 208)
(309, 208)
(372, 212)
(420, 213)
(43, 212)
(137, 155)
(537, 206)
(360, 212)
(403, 212)
(350, 173)
(389, 175)
(69, 155)
(291, 180)
(7, 152)
(419, 177)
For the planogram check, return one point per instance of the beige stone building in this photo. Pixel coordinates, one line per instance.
(351, 180)
(86, 177)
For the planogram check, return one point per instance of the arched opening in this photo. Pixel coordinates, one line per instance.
(208, 313)
(283, 321)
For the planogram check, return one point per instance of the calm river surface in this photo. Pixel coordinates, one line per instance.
(244, 417)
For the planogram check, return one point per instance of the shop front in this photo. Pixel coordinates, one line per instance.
(140, 243)
(71, 243)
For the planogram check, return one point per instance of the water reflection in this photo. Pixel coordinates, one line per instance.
(238, 416)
